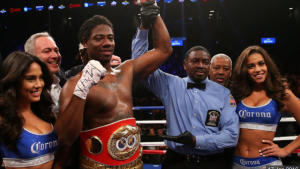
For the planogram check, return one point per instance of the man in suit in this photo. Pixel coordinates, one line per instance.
(43, 45)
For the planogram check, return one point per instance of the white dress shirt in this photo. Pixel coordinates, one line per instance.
(55, 92)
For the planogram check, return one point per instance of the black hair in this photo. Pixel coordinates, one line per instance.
(195, 48)
(11, 121)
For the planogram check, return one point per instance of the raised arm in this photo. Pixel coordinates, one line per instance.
(140, 42)
(146, 64)
(72, 101)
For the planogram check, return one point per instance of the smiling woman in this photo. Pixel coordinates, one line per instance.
(27, 138)
(261, 99)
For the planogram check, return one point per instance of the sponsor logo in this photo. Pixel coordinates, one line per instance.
(113, 3)
(101, 3)
(3, 11)
(12, 10)
(254, 162)
(88, 4)
(244, 114)
(36, 147)
(50, 7)
(125, 3)
(61, 7)
(27, 9)
(74, 6)
(39, 8)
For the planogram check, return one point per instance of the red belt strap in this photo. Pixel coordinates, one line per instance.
(104, 133)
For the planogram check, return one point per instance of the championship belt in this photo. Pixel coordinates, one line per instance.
(115, 144)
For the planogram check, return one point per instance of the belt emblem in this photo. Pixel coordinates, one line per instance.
(124, 142)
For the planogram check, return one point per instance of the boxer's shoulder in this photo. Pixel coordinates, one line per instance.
(71, 83)
(126, 66)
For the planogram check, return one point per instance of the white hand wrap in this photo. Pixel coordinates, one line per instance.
(91, 75)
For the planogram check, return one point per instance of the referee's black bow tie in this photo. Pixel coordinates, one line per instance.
(196, 85)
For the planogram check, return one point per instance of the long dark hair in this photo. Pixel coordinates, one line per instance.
(11, 122)
(243, 85)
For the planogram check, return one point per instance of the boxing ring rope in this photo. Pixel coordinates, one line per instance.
(149, 108)
(154, 151)
(286, 138)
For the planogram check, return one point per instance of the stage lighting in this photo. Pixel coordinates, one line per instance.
(61, 7)
(39, 8)
(50, 7)
(101, 3)
(125, 3)
(113, 3)
(12, 10)
(3, 11)
(74, 6)
(268, 40)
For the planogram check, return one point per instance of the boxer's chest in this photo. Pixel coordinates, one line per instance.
(112, 91)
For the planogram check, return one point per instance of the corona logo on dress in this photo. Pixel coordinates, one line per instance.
(244, 114)
(254, 162)
(36, 147)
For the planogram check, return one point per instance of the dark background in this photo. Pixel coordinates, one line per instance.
(234, 25)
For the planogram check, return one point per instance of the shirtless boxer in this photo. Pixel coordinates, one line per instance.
(97, 103)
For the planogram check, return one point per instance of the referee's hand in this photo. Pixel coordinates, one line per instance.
(149, 12)
(184, 138)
